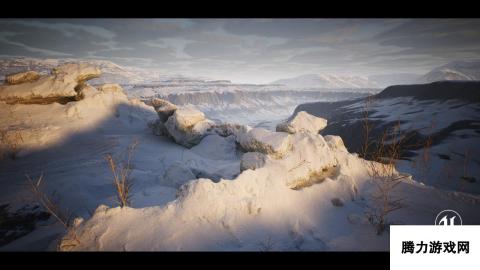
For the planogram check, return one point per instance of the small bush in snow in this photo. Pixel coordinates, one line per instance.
(121, 175)
(54, 210)
(382, 171)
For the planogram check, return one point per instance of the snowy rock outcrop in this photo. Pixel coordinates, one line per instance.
(158, 128)
(76, 72)
(185, 118)
(50, 122)
(187, 126)
(213, 215)
(335, 142)
(86, 92)
(22, 77)
(226, 129)
(110, 88)
(164, 108)
(275, 144)
(303, 122)
(252, 161)
(65, 81)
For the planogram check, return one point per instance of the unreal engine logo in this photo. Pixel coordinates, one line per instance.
(448, 218)
(442, 245)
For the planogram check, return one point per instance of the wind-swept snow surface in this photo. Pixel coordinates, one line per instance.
(245, 212)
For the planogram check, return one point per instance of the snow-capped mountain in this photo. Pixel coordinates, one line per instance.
(327, 81)
(454, 71)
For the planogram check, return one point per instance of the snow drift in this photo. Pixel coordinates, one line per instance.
(228, 214)
(291, 195)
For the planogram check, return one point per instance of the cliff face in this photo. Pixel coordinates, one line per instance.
(255, 98)
(256, 108)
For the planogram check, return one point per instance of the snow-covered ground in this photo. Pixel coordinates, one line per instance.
(445, 135)
(442, 164)
(314, 195)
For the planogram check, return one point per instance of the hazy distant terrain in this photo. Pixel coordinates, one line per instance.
(453, 71)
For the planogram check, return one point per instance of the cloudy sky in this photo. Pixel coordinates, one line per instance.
(250, 50)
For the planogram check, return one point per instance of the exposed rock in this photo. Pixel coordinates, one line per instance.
(335, 143)
(276, 144)
(86, 91)
(313, 177)
(337, 202)
(186, 118)
(227, 129)
(187, 126)
(22, 77)
(110, 88)
(163, 108)
(66, 82)
(76, 72)
(252, 161)
(158, 128)
(303, 122)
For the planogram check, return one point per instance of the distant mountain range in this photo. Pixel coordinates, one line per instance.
(453, 71)
(327, 81)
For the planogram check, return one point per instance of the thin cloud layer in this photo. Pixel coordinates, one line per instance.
(250, 50)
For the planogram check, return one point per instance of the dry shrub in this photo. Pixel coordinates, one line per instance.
(267, 245)
(386, 178)
(121, 170)
(53, 209)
